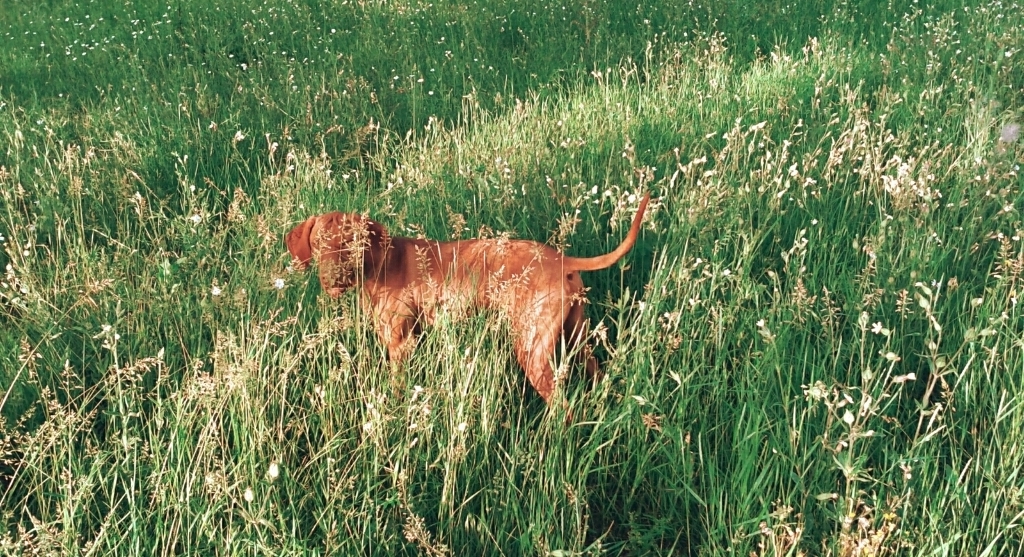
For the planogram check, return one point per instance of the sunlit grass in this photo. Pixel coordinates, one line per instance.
(814, 348)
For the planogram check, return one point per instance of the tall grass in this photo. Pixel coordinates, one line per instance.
(813, 349)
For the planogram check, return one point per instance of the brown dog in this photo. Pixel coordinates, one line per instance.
(404, 281)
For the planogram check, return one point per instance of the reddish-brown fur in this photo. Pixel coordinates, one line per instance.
(405, 281)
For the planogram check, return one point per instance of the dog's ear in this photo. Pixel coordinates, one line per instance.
(347, 247)
(298, 243)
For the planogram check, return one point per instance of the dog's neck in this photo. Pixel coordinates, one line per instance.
(379, 261)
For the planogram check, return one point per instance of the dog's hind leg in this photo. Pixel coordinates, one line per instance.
(535, 347)
(575, 332)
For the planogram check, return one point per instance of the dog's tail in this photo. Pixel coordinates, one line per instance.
(609, 259)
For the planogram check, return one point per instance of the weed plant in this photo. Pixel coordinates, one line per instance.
(814, 348)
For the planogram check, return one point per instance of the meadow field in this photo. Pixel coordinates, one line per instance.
(814, 348)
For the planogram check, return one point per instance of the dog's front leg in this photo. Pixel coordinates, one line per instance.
(394, 324)
(399, 337)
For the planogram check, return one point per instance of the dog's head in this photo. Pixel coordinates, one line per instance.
(345, 246)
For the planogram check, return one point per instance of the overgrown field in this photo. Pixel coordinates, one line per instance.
(815, 347)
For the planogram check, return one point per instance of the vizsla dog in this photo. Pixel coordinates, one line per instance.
(405, 281)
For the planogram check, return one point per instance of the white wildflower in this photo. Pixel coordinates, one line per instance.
(1009, 133)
